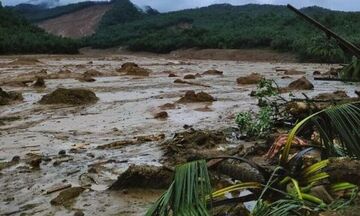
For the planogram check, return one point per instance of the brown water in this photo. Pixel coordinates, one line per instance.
(125, 110)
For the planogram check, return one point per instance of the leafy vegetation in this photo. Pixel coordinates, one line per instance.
(226, 26)
(19, 36)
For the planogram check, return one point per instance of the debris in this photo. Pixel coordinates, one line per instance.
(189, 76)
(143, 176)
(213, 72)
(336, 95)
(39, 83)
(62, 152)
(344, 170)
(57, 187)
(69, 96)
(34, 160)
(7, 98)
(279, 142)
(316, 73)
(251, 79)
(79, 213)
(136, 140)
(192, 97)
(67, 195)
(190, 83)
(161, 115)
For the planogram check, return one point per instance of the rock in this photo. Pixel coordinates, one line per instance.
(79, 213)
(336, 95)
(316, 73)
(143, 176)
(192, 97)
(301, 84)
(132, 69)
(167, 106)
(357, 93)
(321, 193)
(332, 72)
(161, 115)
(7, 98)
(69, 96)
(172, 75)
(251, 79)
(62, 152)
(67, 195)
(92, 73)
(39, 83)
(86, 78)
(189, 76)
(213, 72)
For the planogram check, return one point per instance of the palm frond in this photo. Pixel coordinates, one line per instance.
(187, 194)
(338, 127)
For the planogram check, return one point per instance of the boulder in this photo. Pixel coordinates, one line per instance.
(251, 79)
(92, 73)
(301, 84)
(161, 115)
(67, 195)
(192, 97)
(69, 96)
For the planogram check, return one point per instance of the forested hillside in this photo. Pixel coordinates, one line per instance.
(18, 36)
(226, 26)
(38, 13)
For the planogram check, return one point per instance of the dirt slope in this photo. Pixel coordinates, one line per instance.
(78, 24)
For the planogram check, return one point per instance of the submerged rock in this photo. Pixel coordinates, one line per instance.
(86, 78)
(172, 75)
(7, 98)
(69, 96)
(251, 79)
(143, 176)
(67, 195)
(192, 97)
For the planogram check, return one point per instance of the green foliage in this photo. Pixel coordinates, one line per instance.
(351, 71)
(18, 36)
(259, 125)
(226, 26)
(338, 128)
(188, 193)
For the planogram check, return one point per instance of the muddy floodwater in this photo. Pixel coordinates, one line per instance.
(125, 110)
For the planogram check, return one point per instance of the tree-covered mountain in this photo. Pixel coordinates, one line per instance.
(18, 36)
(227, 26)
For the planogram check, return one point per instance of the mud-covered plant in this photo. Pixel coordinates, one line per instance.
(266, 88)
(256, 125)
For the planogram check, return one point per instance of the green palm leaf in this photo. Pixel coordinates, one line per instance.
(338, 126)
(188, 193)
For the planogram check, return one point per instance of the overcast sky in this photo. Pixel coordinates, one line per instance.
(171, 5)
